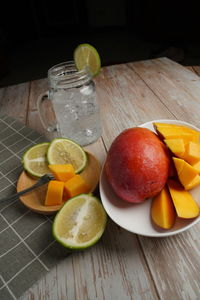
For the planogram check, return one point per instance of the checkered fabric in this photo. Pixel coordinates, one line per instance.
(27, 248)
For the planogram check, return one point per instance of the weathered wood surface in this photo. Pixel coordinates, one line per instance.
(123, 265)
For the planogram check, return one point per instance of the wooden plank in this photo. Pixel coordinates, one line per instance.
(197, 70)
(126, 101)
(14, 101)
(177, 87)
(174, 264)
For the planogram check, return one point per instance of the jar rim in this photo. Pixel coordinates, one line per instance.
(57, 70)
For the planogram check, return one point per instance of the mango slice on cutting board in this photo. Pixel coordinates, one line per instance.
(54, 193)
(75, 186)
(186, 207)
(62, 172)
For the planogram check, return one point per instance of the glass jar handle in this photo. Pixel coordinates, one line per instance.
(42, 97)
(47, 114)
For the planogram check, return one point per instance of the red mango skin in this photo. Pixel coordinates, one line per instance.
(137, 165)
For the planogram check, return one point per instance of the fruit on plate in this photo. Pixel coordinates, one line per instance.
(80, 222)
(54, 195)
(176, 146)
(173, 131)
(162, 210)
(34, 160)
(192, 153)
(186, 207)
(75, 186)
(137, 164)
(64, 151)
(187, 174)
(62, 172)
(196, 166)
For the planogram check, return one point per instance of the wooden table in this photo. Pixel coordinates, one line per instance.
(123, 265)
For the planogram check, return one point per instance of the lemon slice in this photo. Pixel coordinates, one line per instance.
(34, 160)
(80, 222)
(64, 151)
(86, 55)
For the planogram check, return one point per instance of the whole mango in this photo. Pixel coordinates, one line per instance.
(137, 164)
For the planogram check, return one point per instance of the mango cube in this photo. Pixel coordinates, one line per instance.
(192, 154)
(62, 172)
(75, 186)
(54, 193)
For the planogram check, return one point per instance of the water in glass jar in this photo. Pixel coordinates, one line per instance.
(77, 113)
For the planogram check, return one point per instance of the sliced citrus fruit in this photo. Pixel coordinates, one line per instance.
(64, 151)
(34, 160)
(86, 55)
(80, 222)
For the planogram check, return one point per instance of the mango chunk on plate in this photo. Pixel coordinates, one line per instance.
(162, 210)
(196, 166)
(192, 153)
(172, 131)
(185, 205)
(176, 146)
(187, 174)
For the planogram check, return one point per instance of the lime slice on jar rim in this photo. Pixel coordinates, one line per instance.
(86, 56)
(80, 222)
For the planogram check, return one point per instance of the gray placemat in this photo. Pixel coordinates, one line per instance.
(27, 247)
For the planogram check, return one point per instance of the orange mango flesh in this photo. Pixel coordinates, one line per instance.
(196, 166)
(162, 210)
(62, 172)
(172, 131)
(193, 183)
(178, 129)
(54, 193)
(187, 175)
(185, 206)
(75, 186)
(192, 154)
(176, 146)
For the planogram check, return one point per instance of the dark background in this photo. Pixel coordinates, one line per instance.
(36, 34)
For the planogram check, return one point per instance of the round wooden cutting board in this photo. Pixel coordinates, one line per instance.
(34, 200)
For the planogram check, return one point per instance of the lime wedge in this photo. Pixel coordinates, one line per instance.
(86, 55)
(34, 160)
(80, 222)
(64, 151)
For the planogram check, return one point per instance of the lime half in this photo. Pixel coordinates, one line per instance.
(64, 151)
(86, 55)
(34, 160)
(80, 222)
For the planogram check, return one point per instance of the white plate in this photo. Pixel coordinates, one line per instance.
(136, 217)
